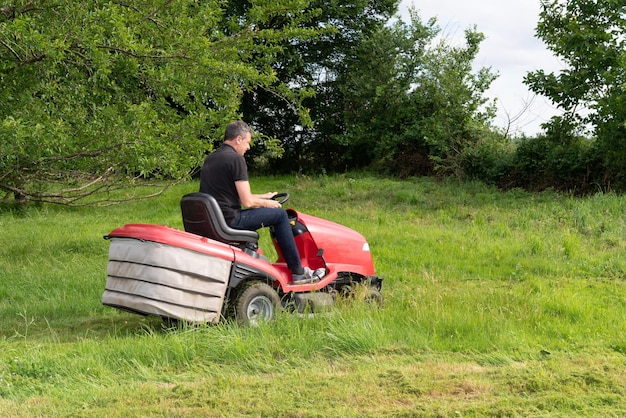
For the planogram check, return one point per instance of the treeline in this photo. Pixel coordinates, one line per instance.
(408, 107)
(96, 95)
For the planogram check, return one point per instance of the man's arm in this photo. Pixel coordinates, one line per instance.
(250, 200)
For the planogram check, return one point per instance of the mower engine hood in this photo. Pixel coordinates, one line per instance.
(341, 245)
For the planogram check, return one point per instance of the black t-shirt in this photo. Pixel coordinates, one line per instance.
(220, 170)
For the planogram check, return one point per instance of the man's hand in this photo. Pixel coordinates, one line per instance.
(273, 203)
(250, 200)
(269, 203)
(268, 195)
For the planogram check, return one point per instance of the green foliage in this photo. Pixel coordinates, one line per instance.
(555, 160)
(319, 64)
(540, 162)
(589, 37)
(412, 107)
(385, 95)
(96, 94)
(490, 159)
(376, 90)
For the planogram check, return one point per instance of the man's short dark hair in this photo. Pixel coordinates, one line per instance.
(235, 129)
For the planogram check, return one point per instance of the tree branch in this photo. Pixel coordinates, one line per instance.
(99, 189)
(87, 154)
(149, 16)
(13, 52)
(10, 12)
(135, 55)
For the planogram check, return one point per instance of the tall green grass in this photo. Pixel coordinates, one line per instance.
(496, 304)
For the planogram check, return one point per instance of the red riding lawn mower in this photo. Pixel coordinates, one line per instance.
(211, 271)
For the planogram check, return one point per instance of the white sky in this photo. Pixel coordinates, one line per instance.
(510, 49)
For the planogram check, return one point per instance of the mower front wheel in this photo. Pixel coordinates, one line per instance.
(374, 297)
(257, 302)
(371, 296)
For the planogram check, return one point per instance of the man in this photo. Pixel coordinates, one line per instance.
(225, 177)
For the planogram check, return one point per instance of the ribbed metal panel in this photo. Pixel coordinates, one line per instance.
(158, 279)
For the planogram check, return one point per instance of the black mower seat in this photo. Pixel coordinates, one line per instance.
(202, 216)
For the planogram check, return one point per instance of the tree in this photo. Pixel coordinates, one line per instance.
(316, 64)
(98, 94)
(589, 37)
(412, 106)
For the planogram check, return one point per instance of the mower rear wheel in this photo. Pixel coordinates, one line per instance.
(257, 302)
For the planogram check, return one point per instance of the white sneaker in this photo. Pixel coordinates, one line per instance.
(318, 273)
(309, 276)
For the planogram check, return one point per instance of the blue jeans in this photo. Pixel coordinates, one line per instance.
(253, 219)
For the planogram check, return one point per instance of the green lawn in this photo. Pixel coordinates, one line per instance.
(496, 304)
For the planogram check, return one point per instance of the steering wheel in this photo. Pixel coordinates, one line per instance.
(281, 197)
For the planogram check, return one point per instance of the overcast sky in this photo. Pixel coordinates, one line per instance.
(510, 49)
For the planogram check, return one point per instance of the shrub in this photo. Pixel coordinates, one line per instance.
(490, 159)
(542, 162)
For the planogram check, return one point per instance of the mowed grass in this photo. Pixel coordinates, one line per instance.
(496, 304)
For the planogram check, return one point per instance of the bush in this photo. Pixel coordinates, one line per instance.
(541, 162)
(490, 159)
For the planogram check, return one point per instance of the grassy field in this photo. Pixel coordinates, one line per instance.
(496, 304)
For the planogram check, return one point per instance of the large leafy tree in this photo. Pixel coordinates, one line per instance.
(412, 106)
(589, 36)
(95, 94)
(382, 91)
(318, 64)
